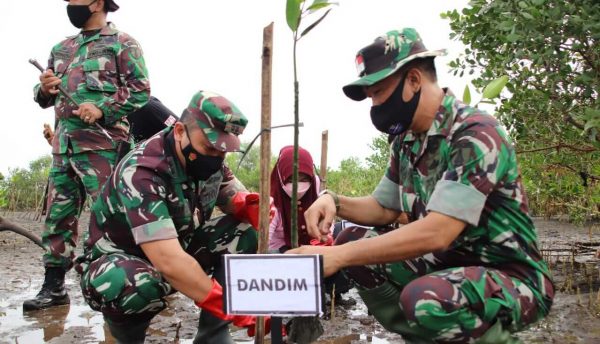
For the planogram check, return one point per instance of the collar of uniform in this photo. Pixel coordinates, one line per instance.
(109, 30)
(443, 120)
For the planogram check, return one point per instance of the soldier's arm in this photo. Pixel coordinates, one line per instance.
(478, 159)
(134, 90)
(361, 210)
(434, 232)
(142, 195)
(180, 269)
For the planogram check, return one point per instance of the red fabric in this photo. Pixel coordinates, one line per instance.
(213, 303)
(284, 167)
(317, 242)
(246, 207)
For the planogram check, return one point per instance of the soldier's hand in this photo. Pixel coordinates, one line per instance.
(48, 133)
(88, 113)
(319, 217)
(48, 83)
(333, 256)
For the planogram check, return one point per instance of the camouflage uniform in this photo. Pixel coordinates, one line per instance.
(149, 198)
(492, 276)
(464, 167)
(105, 68)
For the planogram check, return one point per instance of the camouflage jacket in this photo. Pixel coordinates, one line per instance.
(149, 197)
(465, 167)
(106, 69)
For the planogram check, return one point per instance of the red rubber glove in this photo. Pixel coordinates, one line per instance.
(317, 242)
(245, 207)
(213, 303)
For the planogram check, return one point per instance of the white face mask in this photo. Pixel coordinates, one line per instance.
(302, 188)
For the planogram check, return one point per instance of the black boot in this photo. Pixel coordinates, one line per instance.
(53, 291)
(129, 332)
(212, 330)
(340, 301)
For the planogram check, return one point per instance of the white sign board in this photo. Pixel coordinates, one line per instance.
(273, 284)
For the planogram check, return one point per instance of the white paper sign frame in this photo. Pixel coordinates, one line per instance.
(292, 300)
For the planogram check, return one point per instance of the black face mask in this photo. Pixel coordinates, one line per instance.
(197, 165)
(79, 14)
(395, 115)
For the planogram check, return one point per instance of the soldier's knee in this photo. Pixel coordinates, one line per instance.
(122, 281)
(428, 300)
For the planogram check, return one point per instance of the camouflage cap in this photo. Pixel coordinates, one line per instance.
(111, 6)
(385, 56)
(219, 118)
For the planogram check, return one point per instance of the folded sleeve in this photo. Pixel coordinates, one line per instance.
(477, 161)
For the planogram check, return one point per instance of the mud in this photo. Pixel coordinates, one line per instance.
(575, 316)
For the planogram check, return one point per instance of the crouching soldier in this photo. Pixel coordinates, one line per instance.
(151, 231)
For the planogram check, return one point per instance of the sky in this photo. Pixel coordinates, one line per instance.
(192, 45)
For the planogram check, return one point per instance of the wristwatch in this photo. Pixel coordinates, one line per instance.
(336, 199)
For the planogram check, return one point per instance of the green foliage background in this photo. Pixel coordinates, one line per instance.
(23, 189)
(550, 51)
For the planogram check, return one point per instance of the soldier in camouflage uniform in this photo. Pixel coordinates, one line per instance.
(151, 232)
(467, 267)
(103, 69)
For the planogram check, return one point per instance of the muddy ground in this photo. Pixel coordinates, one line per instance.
(575, 316)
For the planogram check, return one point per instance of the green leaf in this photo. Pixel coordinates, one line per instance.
(513, 37)
(312, 26)
(292, 13)
(493, 89)
(467, 95)
(318, 4)
(527, 15)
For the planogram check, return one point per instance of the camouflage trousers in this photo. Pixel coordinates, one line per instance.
(445, 304)
(128, 288)
(72, 178)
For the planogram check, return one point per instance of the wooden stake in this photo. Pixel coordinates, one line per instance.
(323, 173)
(265, 158)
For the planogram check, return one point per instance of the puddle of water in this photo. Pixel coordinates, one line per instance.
(42, 326)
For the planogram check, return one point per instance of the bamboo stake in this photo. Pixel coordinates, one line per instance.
(323, 173)
(265, 158)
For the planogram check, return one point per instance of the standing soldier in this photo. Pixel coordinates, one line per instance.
(104, 71)
(467, 265)
(151, 232)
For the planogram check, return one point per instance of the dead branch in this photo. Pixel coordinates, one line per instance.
(6, 225)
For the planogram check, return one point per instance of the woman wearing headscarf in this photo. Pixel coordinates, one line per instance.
(280, 238)
(281, 191)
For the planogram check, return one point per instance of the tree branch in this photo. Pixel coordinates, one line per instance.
(572, 121)
(560, 146)
(591, 176)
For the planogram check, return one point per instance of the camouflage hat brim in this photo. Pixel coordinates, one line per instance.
(356, 90)
(227, 143)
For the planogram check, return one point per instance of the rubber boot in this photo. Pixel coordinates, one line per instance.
(212, 330)
(129, 332)
(496, 335)
(53, 291)
(383, 303)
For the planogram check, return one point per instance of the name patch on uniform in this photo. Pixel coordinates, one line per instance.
(273, 284)
(62, 54)
(99, 51)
